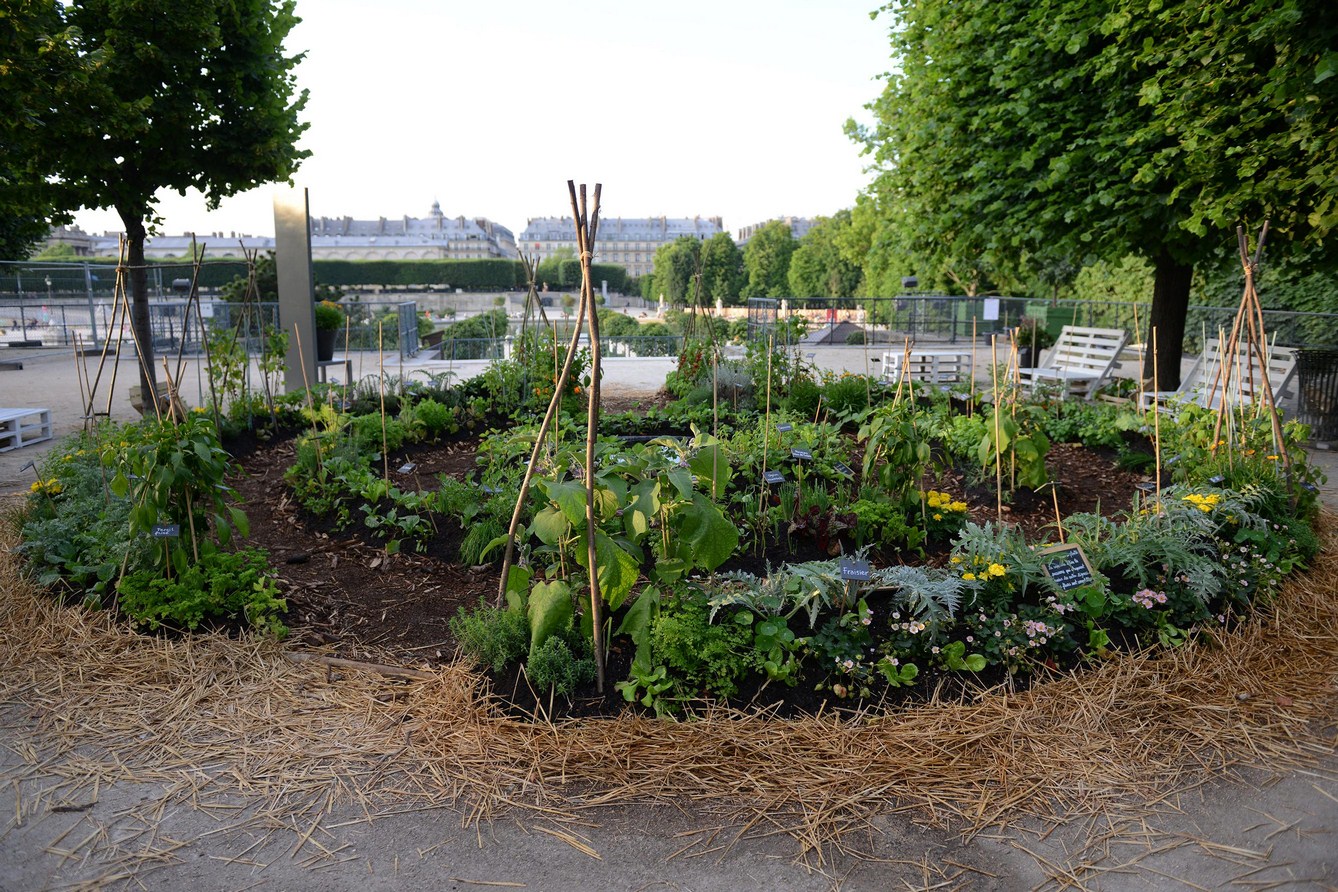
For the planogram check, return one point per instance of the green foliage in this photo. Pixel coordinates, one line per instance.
(818, 268)
(470, 275)
(722, 269)
(675, 266)
(552, 666)
(703, 657)
(766, 259)
(73, 531)
(221, 585)
(175, 473)
(329, 317)
(491, 637)
(1056, 129)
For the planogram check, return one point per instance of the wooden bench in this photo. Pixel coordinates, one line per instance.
(936, 366)
(23, 427)
(1207, 381)
(1080, 361)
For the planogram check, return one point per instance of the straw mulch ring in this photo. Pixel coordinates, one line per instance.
(214, 719)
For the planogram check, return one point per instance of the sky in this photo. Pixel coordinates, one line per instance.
(730, 108)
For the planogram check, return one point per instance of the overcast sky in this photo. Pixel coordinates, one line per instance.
(729, 108)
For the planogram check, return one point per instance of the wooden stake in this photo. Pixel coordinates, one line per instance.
(1156, 417)
(998, 459)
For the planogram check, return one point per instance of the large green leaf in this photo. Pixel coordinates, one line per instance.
(706, 538)
(550, 611)
(712, 466)
(643, 505)
(616, 570)
(551, 525)
(570, 498)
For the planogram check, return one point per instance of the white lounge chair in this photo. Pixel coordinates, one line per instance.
(1207, 381)
(1080, 361)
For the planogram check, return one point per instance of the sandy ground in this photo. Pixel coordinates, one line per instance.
(1251, 828)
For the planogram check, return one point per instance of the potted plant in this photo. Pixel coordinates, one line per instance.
(1032, 338)
(329, 319)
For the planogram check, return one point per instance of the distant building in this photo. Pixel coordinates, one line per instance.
(629, 242)
(799, 227)
(78, 240)
(435, 237)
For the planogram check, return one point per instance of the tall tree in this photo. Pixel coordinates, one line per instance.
(766, 258)
(722, 269)
(818, 268)
(676, 264)
(1097, 129)
(163, 94)
(34, 56)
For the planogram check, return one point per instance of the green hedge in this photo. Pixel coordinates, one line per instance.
(471, 275)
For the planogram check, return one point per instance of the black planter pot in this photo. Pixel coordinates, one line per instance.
(325, 344)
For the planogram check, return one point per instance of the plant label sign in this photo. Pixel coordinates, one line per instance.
(784, 428)
(801, 454)
(843, 469)
(407, 467)
(853, 570)
(166, 530)
(490, 490)
(1067, 566)
(773, 477)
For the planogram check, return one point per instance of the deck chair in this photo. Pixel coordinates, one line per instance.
(1080, 361)
(1246, 378)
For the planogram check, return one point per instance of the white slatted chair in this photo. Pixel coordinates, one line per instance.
(1080, 361)
(1246, 379)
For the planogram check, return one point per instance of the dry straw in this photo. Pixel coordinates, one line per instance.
(211, 717)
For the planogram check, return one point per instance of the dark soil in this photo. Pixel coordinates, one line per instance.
(344, 591)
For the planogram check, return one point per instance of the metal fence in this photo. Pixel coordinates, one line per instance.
(628, 347)
(950, 318)
(175, 324)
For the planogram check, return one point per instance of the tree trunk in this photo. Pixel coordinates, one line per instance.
(1170, 305)
(140, 325)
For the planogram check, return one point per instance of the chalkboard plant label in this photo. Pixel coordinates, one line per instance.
(801, 454)
(1067, 566)
(784, 428)
(407, 467)
(843, 469)
(854, 570)
(166, 530)
(773, 477)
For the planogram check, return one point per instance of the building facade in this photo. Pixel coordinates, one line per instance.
(434, 237)
(629, 242)
(799, 227)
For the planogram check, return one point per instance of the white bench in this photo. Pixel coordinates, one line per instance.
(23, 427)
(937, 366)
(1080, 361)
(1207, 380)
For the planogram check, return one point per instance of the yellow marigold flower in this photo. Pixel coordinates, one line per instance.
(998, 570)
(956, 559)
(958, 506)
(938, 516)
(968, 575)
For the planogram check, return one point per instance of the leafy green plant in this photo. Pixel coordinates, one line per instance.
(553, 666)
(221, 585)
(490, 636)
(174, 473)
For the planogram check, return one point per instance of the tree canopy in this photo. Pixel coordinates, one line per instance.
(766, 258)
(140, 95)
(722, 269)
(1071, 131)
(818, 267)
(676, 264)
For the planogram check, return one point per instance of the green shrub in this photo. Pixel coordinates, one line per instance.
(855, 338)
(703, 656)
(491, 636)
(367, 431)
(554, 667)
(222, 585)
(435, 418)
